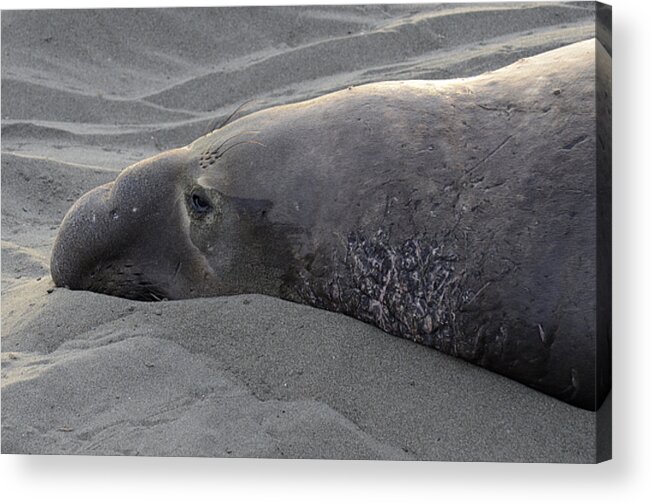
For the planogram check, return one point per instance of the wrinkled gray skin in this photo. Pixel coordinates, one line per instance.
(459, 214)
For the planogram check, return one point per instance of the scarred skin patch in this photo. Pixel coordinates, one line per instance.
(411, 289)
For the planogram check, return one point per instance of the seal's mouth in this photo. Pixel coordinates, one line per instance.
(125, 280)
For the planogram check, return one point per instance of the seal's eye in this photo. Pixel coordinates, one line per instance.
(199, 204)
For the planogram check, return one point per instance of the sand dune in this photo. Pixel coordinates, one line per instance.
(85, 94)
(128, 369)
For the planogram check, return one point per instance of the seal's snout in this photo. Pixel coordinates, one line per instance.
(81, 239)
(126, 238)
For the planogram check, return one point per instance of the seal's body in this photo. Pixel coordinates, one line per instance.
(460, 214)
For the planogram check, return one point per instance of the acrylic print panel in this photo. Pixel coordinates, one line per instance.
(368, 232)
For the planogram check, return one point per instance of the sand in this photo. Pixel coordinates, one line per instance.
(85, 94)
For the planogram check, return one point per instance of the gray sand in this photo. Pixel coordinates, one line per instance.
(85, 94)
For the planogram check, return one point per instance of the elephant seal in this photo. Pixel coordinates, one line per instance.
(460, 214)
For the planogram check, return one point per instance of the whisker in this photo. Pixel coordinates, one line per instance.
(216, 151)
(239, 143)
(173, 207)
(176, 272)
(212, 126)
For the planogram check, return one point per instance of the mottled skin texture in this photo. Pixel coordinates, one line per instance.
(459, 214)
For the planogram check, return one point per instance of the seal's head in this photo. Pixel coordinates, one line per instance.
(190, 222)
(140, 236)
